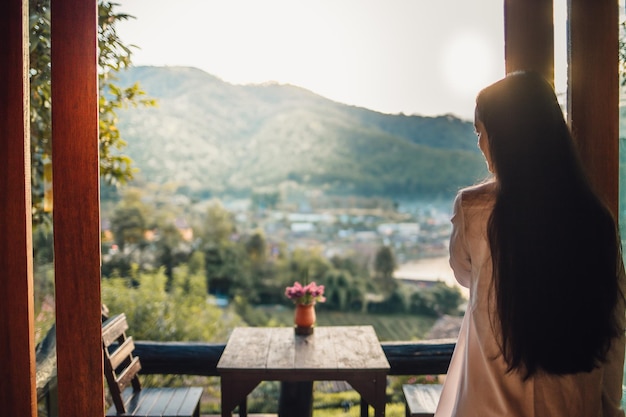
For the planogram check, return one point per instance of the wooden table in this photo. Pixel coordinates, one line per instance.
(334, 353)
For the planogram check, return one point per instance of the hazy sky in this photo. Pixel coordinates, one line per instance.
(426, 57)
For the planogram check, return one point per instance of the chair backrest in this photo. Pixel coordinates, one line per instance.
(120, 365)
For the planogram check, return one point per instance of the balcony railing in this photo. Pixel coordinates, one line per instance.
(197, 358)
(430, 357)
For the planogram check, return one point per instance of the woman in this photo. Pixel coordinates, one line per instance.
(543, 334)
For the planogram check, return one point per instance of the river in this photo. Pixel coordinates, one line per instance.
(429, 269)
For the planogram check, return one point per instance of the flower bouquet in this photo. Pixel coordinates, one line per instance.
(305, 297)
(307, 294)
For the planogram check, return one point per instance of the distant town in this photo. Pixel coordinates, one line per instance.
(418, 233)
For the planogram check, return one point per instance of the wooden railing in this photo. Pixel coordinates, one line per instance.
(199, 358)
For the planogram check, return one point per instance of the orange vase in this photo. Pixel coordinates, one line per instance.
(304, 318)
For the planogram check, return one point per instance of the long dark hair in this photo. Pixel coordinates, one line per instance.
(554, 244)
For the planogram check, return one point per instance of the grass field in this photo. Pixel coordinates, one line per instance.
(388, 327)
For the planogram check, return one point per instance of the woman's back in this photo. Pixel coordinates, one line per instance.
(477, 383)
(544, 331)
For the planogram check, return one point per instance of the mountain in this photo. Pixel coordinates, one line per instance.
(213, 137)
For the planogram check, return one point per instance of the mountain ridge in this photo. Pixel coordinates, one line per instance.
(213, 137)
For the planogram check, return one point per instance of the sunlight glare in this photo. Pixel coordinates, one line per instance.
(468, 64)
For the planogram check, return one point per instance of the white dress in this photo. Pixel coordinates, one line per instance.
(477, 383)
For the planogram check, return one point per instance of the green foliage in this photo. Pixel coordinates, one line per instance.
(129, 225)
(308, 265)
(353, 263)
(394, 302)
(196, 262)
(182, 314)
(43, 246)
(254, 316)
(113, 56)
(242, 267)
(447, 299)
(265, 199)
(433, 301)
(388, 327)
(437, 300)
(226, 271)
(422, 302)
(167, 248)
(385, 262)
(258, 398)
(256, 247)
(218, 224)
(44, 300)
(343, 292)
(40, 103)
(225, 260)
(384, 265)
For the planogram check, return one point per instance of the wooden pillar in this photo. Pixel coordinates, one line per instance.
(76, 214)
(593, 91)
(529, 36)
(18, 394)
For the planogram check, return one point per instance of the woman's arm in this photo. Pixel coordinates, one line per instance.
(459, 252)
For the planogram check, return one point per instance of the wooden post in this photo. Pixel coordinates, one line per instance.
(529, 36)
(593, 91)
(18, 394)
(76, 214)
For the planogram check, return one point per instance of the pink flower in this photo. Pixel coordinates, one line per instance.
(297, 291)
(309, 294)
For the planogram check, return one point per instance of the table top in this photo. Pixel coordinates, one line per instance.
(278, 349)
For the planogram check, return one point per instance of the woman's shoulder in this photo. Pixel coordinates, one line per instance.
(478, 194)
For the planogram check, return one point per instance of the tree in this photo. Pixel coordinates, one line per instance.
(180, 314)
(308, 265)
(168, 245)
(113, 56)
(227, 271)
(129, 226)
(447, 299)
(342, 290)
(256, 248)
(226, 262)
(384, 265)
(130, 219)
(218, 225)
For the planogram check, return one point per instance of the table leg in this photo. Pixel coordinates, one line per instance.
(243, 408)
(296, 399)
(364, 407)
(372, 388)
(234, 393)
(381, 396)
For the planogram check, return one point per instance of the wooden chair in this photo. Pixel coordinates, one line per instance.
(421, 399)
(121, 368)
